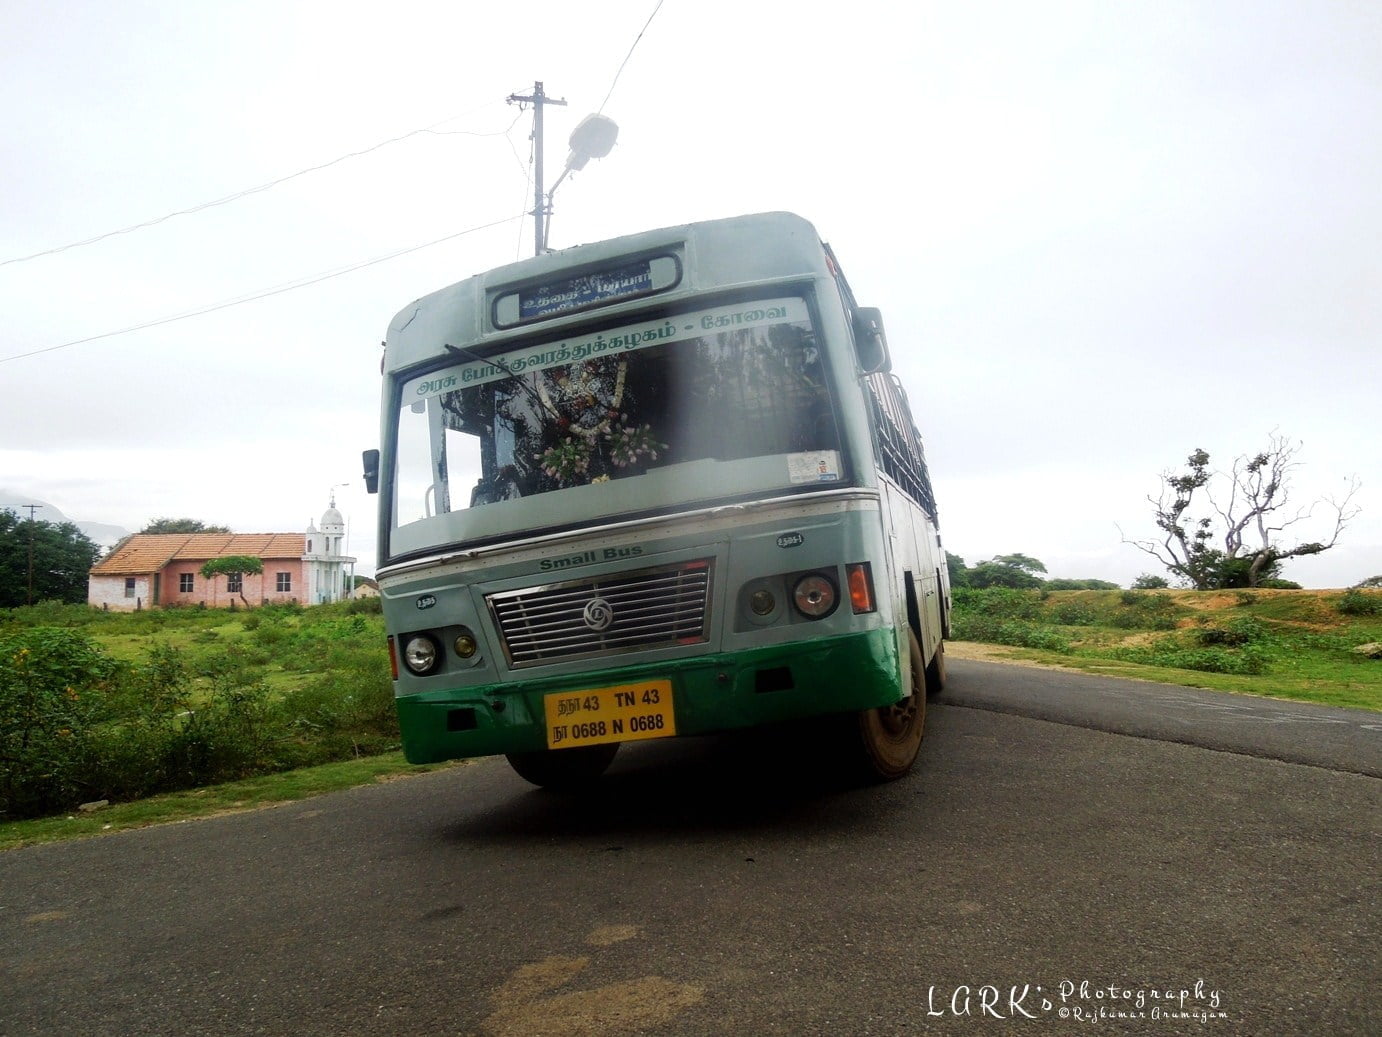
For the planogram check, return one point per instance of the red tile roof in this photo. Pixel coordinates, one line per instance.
(150, 552)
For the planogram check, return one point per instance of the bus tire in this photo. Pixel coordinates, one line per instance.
(935, 672)
(889, 738)
(564, 768)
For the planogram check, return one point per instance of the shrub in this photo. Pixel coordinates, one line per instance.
(1356, 602)
(1142, 611)
(1062, 584)
(1138, 619)
(1238, 632)
(1247, 661)
(998, 601)
(1074, 614)
(51, 703)
(372, 605)
(994, 630)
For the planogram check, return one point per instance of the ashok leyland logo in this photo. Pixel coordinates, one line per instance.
(598, 614)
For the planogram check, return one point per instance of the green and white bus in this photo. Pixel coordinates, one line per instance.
(655, 486)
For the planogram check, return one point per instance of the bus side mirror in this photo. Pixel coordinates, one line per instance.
(371, 459)
(870, 344)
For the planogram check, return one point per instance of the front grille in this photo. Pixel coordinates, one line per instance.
(651, 608)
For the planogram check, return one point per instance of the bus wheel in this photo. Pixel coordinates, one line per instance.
(935, 673)
(564, 768)
(890, 737)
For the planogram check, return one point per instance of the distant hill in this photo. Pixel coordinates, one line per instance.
(103, 533)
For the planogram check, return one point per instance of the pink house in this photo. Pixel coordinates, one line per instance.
(150, 569)
(153, 569)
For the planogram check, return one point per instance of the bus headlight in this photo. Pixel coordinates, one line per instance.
(465, 644)
(421, 654)
(762, 602)
(815, 596)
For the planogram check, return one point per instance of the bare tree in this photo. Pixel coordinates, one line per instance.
(1250, 522)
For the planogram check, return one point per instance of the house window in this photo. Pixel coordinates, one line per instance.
(285, 582)
(235, 583)
(185, 583)
(129, 586)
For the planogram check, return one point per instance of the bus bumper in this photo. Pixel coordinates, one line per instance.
(710, 693)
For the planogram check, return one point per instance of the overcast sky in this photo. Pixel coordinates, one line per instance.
(1102, 234)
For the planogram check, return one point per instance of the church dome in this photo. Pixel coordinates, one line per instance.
(332, 517)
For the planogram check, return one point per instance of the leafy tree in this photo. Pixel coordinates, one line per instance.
(182, 525)
(232, 565)
(62, 555)
(1150, 582)
(958, 574)
(1016, 570)
(1061, 584)
(1250, 511)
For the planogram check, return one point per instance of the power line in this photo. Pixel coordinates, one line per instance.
(263, 294)
(236, 196)
(629, 55)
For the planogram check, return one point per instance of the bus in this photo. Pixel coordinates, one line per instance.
(656, 486)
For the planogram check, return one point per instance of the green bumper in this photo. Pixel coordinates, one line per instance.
(710, 693)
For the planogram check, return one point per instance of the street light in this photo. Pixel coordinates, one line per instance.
(593, 137)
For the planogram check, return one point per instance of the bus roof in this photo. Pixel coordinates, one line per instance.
(713, 254)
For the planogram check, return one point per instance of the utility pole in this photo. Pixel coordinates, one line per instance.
(537, 100)
(32, 508)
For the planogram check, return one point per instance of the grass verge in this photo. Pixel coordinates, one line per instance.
(1347, 696)
(248, 794)
(1303, 646)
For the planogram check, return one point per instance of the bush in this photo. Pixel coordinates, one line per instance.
(51, 705)
(1142, 611)
(1139, 619)
(1247, 661)
(998, 601)
(75, 725)
(1074, 614)
(1356, 602)
(1238, 632)
(1061, 584)
(372, 605)
(993, 630)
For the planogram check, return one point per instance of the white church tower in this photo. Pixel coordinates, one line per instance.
(329, 572)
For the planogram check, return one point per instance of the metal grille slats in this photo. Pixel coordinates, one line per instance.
(652, 608)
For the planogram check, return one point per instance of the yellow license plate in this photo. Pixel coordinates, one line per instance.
(625, 713)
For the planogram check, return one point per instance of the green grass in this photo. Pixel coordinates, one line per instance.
(1295, 645)
(311, 666)
(249, 794)
(97, 705)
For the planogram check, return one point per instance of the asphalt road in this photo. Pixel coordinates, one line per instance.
(1044, 867)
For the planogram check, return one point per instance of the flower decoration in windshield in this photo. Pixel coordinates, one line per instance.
(588, 432)
(630, 445)
(568, 461)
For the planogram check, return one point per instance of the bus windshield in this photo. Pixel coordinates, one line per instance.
(709, 404)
